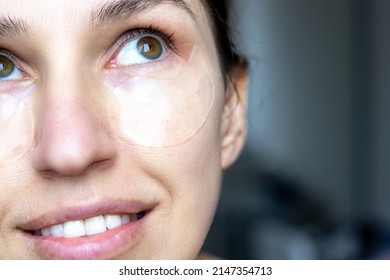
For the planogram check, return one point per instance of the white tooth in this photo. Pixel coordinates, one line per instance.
(57, 230)
(45, 231)
(125, 219)
(74, 228)
(112, 221)
(95, 225)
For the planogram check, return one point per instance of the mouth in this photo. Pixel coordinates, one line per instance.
(100, 231)
(89, 226)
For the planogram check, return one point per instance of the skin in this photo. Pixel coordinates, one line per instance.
(75, 156)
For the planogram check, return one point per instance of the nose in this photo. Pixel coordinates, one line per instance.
(71, 134)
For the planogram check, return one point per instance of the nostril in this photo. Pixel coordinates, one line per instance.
(73, 160)
(71, 139)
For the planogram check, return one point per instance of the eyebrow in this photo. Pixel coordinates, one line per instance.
(11, 27)
(117, 10)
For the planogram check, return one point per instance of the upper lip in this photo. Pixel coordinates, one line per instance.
(79, 212)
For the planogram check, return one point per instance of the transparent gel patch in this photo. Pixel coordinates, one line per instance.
(167, 107)
(16, 126)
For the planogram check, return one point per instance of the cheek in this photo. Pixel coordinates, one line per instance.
(191, 170)
(190, 175)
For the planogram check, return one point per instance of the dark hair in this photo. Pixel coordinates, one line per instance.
(219, 12)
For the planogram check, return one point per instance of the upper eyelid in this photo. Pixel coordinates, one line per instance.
(137, 32)
(168, 38)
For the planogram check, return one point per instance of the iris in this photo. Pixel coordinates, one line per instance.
(6, 67)
(149, 47)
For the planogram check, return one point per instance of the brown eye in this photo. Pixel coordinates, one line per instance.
(8, 70)
(149, 47)
(6, 67)
(141, 50)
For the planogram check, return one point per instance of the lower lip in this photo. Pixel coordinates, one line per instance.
(106, 245)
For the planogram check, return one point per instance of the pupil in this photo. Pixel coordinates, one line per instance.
(6, 67)
(149, 47)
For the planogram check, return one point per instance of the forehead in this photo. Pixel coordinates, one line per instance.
(25, 14)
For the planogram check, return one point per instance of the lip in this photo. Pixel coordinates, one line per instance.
(106, 245)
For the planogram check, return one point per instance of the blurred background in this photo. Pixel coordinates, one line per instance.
(313, 180)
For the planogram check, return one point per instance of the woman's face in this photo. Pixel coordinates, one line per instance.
(113, 129)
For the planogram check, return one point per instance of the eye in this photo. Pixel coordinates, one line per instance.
(141, 50)
(8, 70)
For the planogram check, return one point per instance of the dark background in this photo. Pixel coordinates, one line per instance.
(313, 180)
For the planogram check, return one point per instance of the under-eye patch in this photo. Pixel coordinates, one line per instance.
(164, 107)
(16, 125)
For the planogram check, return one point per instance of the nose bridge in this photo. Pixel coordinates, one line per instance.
(65, 112)
(69, 135)
(65, 92)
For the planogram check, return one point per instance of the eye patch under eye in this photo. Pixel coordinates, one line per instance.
(16, 125)
(167, 107)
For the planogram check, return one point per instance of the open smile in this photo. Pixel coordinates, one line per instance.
(99, 231)
(89, 226)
